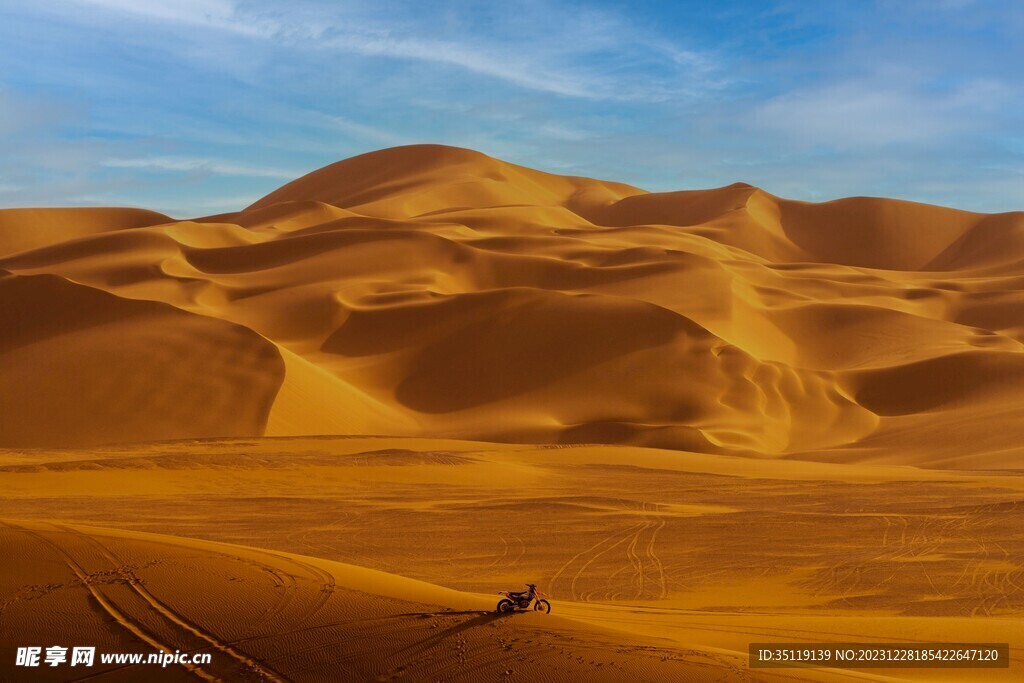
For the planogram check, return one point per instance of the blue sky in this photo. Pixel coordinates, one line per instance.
(200, 106)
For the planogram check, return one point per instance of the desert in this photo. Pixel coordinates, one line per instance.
(315, 437)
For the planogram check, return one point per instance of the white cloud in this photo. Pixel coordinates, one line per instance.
(877, 112)
(188, 164)
(362, 131)
(554, 62)
(509, 63)
(219, 14)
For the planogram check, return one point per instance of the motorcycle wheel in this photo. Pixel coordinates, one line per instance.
(542, 606)
(505, 606)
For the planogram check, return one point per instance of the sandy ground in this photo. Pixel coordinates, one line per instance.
(685, 558)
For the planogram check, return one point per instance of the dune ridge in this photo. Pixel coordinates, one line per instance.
(435, 291)
(24, 229)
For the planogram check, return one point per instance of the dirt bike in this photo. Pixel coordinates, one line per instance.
(514, 600)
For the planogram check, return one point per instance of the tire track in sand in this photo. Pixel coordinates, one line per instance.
(174, 617)
(327, 584)
(119, 617)
(616, 538)
(655, 560)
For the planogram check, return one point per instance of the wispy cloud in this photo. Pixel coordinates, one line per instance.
(362, 131)
(556, 62)
(878, 112)
(219, 14)
(186, 164)
(227, 99)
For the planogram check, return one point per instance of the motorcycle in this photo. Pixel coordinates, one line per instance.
(521, 600)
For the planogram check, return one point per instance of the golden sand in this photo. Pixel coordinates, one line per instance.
(804, 423)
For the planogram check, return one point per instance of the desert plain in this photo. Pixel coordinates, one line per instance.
(315, 437)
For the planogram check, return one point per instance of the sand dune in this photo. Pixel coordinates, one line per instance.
(80, 365)
(435, 291)
(24, 229)
(406, 182)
